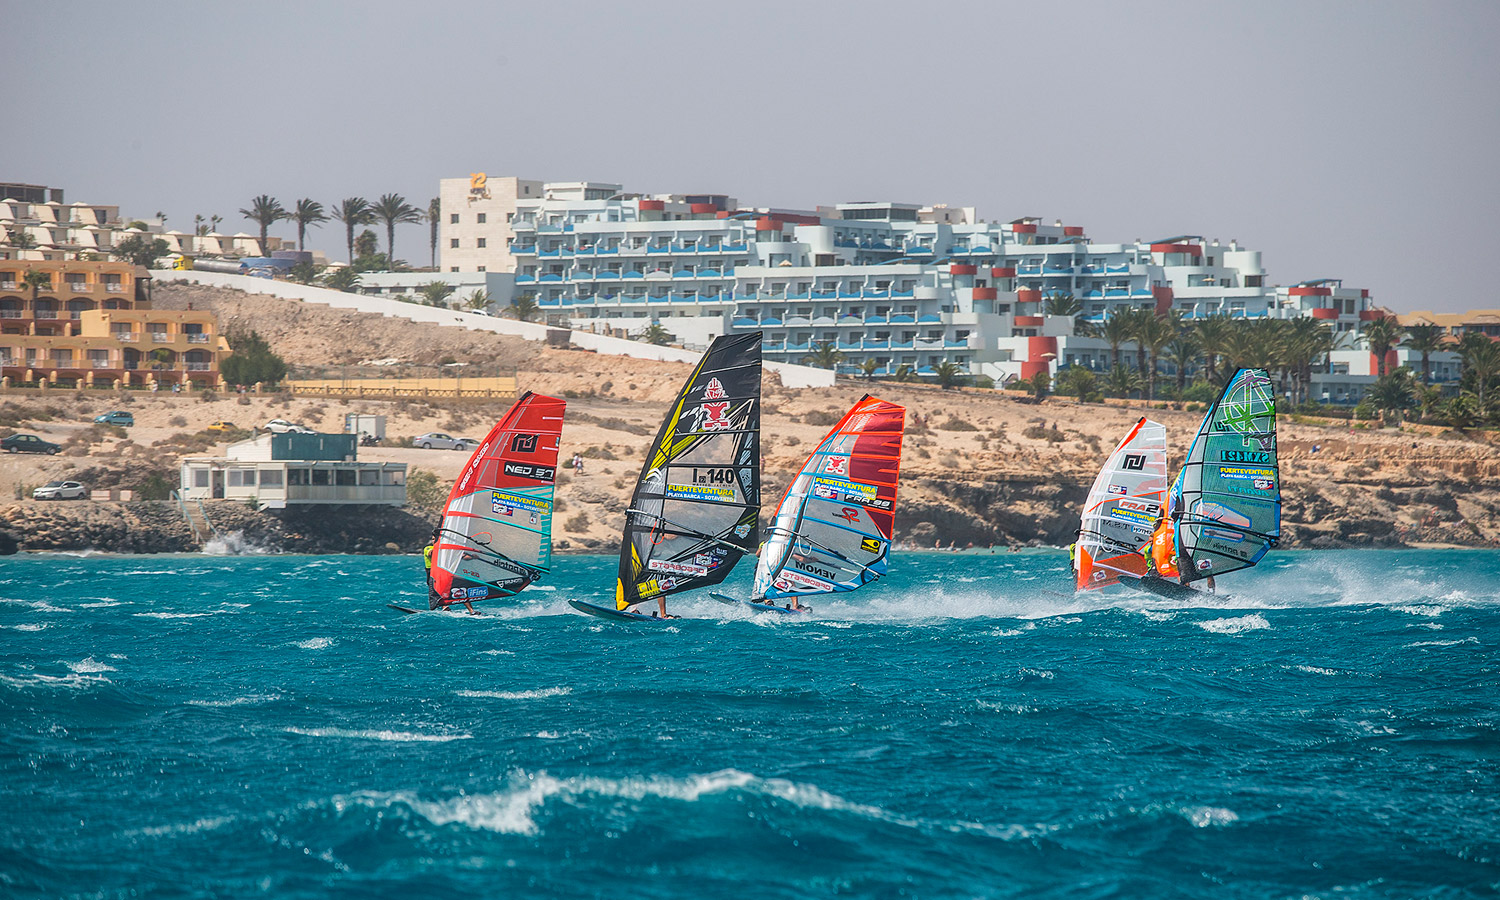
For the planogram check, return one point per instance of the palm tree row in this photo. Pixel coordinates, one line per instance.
(392, 209)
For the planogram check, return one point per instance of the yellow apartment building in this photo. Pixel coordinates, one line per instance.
(90, 324)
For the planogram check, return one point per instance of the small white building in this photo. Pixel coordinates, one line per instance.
(278, 470)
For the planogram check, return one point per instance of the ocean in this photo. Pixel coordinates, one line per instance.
(196, 726)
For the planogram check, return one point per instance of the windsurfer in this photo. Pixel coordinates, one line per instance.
(433, 600)
(1161, 550)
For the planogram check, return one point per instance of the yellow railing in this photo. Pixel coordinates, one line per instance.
(501, 387)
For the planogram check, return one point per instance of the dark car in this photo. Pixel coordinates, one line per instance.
(27, 443)
(118, 417)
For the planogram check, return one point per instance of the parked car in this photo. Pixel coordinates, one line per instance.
(435, 440)
(118, 417)
(61, 490)
(28, 443)
(282, 426)
(221, 426)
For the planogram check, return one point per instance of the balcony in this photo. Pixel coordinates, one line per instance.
(10, 314)
(44, 314)
(9, 286)
(127, 337)
(198, 338)
(78, 287)
(75, 314)
(114, 288)
(99, 364)
(160, 337)
(197, 366)
(522, 249)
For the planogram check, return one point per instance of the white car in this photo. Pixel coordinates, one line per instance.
(282, 426)
(437, 440)
(61, 490)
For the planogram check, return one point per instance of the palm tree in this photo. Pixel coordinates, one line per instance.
(1393, 393)
(434, 293)
(478, 299)
(1381, 335)
(1076, 381)
(948, 373)
(1122, 381)
(213, 222)
(1306, 342)
(1183, 352)
(1038, 384)
(655, 334)
(20, 238)
(353, 212)
(36, 281)
(344, 278)
(868, 367)
(903, 373)
(1152, 333)
(393, 210)
(1426, 340)
(824, 355)
(1213, 333)
(307, 212)
(524, 307)
(434, 214)
(1482, 364)
(1117, 329)
(198, 221)
(266, 210)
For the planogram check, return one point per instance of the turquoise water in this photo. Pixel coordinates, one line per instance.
(263, 726)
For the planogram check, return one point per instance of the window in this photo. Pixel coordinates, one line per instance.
(480, 218)
(453, 243)
(320, 476)
(297, 476)
(200, 478)
(453, 268)
(344, 477)
(481, 243)
(453, 219)
(270, 478)
(481, 268)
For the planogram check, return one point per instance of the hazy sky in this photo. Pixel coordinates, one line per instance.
(1352, 140)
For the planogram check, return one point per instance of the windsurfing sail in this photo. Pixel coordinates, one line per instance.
(1227, 498)
(496, 535)
(1122, 508)
(832, 531)
(695, 508)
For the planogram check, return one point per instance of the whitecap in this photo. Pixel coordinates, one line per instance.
(318, 643)
(1252, 622)
(1206, 816)
(537, 694)
(29, 626)
(89, 666)
(1421, 609)
(167, 615)
(1452, 643)
(76, 681)
(371, 734)
(1316, 670)
(208, 823)
(498, 653)
(248, 700)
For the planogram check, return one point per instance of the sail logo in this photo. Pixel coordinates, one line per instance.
(676, 568)
(848, 515)
(714, 390)
(714, 416)
(1140, 506)
(837, 465)
(1133, 462)
(1245, 456)
(869, 545)
(536, 473)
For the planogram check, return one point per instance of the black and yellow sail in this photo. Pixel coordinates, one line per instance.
(696, 506)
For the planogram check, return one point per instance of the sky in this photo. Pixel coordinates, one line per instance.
(1351, 140)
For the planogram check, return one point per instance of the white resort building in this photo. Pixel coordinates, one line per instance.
(895, 284)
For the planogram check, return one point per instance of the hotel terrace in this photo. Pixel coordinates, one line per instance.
(90, 324)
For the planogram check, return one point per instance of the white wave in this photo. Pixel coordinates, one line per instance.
(1252, 622)
(549, 735)
(89, 666)
(39, 605)
(102, 603)
(1044, 674)
(170, 615)
(379, 735)
(235, 544)
(1315, 670)
(498, 652)
(249, 700)
(29, 626)
(76, 681)
(513, 811)
(1421, 609)
(196, 826)
(1206, 816)
(317, 643)
(537, 694)
(1453, 643)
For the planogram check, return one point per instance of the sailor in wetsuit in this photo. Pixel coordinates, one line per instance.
(1161, 552)
(433, 600)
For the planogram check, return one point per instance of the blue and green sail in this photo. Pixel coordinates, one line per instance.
(1227, 497)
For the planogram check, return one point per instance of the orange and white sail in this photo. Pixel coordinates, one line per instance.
(1122, 507)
